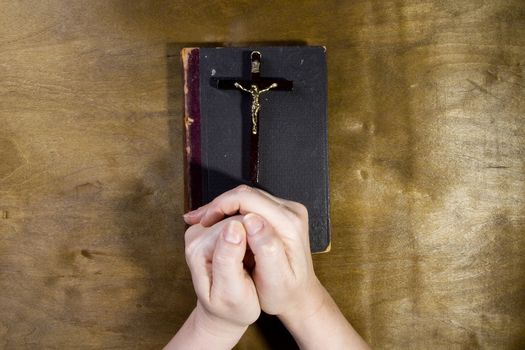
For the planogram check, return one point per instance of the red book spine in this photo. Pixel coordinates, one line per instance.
(192, 127)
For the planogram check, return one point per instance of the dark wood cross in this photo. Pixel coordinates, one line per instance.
(255, 86)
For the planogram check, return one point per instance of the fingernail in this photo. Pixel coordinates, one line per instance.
(253, 223)
(192, 213)
(232, 234)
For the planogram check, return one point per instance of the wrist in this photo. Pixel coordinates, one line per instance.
(311, 302)
(215, 330)
(309, 325)
(200, 331)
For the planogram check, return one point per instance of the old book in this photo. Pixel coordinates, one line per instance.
(292, 147)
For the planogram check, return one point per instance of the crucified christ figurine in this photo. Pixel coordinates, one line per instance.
(256, 106)
(257, 86)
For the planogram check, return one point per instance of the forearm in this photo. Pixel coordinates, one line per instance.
(319, 324)
(200, 332)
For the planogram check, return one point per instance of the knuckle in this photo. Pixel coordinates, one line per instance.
(296, 221)
(212, 207)
(187, 237)
(302, 210)
(191, 234)
(188, 249)
(191, 254)
(189, 242)
(192, 251)
(299, 208)
(243, 189)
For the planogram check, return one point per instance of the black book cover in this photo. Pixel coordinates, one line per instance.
(292, 136)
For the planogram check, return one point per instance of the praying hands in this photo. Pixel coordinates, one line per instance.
(280, 280)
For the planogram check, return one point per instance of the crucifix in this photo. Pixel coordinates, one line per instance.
(256, 86)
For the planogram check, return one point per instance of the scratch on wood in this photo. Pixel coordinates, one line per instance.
(88, 189)
(90, 254)
(5, 214)
(482, 89)
(497, 167)
(86, 253)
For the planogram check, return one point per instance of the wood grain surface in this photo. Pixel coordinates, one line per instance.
(427, 161)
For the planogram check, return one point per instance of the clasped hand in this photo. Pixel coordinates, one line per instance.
(249, 251)
(275, 231)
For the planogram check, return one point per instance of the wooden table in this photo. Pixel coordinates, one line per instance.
(427, 160)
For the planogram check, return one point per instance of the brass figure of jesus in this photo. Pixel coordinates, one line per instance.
(258, 86)
(256, 105)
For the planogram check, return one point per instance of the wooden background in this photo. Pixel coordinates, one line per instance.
(427, 159)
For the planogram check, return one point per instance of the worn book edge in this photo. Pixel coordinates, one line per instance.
(192, 120)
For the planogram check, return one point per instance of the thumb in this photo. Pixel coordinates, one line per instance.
(228, 275)
(271, 262)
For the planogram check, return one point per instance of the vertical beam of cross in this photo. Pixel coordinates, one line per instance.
(255, 86)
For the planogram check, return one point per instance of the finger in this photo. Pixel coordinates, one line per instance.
(228, 275)
(200, 275)
(196, 238)
(243, 199)
(200, 243)
(198, 234)
(194, 216)
(271, 196)
(271, 261)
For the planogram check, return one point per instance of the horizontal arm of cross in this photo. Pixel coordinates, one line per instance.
(263, 83)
